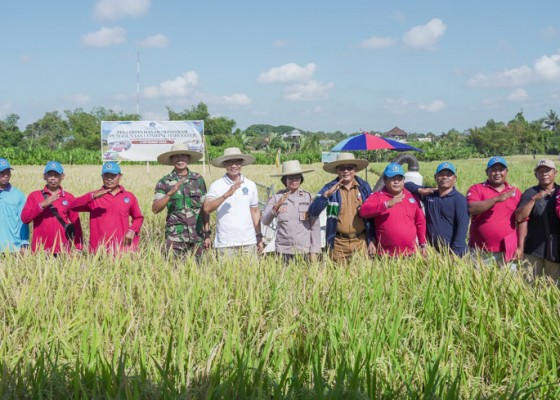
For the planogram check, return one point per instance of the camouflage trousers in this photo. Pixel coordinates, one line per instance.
(182, 248)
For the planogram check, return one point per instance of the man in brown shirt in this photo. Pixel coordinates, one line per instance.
(347, 232)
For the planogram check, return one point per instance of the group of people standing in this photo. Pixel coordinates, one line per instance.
(116, 218)
(401, 219)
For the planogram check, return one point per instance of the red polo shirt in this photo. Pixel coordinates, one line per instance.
(396, 228)
(48, 232)
(489, 230)
(111, 216)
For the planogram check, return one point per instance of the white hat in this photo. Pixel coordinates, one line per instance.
(232, 153)
(179, 148)
(345, 159)
(292, 167)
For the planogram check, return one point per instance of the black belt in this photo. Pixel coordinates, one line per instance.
(349, 235)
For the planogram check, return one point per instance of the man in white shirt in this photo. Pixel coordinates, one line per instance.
(235, 199)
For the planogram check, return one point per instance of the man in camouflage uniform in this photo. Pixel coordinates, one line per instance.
(182, 192)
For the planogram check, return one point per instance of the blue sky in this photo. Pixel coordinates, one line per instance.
(425, 66)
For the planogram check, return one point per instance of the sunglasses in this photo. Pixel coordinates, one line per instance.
(346, 168)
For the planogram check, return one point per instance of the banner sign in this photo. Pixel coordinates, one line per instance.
(145, 140)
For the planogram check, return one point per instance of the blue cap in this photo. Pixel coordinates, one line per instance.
(393, 169)
(4, 164)
(496, 160)
(446, 165)
(54, 166)
(111, 167)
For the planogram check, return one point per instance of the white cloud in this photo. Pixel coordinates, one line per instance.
(280, 43)
(287, 73)
(78, 98)
(104, 37)
(434, 106)
(115, 9)
(545, 69)
(508, 77)
(548, 68)
(158, 40)
(237, 99)
(377, 42)
(518, 95)
(425, 36)
(312, 90)
(179, 87)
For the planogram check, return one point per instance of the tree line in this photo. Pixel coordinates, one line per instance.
(75, 137)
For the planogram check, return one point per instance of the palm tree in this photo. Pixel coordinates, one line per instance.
(552, 122)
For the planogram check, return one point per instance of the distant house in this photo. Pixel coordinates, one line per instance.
(293, 138)
(396, 133)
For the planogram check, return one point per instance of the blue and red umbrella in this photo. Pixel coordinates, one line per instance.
(365, 141)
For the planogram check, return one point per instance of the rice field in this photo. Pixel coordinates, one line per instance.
(146, 326)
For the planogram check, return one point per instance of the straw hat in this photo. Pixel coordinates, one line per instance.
(345, 159)
(232, 153)
(179, 148)
(292, 167)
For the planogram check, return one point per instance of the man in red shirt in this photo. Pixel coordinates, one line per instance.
(49, 210)
(398, 218)
(115, 217)
(492, 207)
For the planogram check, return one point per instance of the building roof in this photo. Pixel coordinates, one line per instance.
(396, 132)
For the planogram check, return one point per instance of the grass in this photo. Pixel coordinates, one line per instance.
(145, 326)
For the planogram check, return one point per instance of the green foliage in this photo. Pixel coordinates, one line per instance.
(196, 113)
(10, 135)
(518, 136)
(81, 129)
(304, 157)
(40, 155)
(85, 128)
(264, 130)
(49, 132)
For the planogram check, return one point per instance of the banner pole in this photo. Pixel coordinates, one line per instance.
(205, 154)
(147, 168)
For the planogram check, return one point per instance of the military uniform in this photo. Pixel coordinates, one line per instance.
(183, 227)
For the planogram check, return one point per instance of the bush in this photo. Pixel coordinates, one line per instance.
(39, 156)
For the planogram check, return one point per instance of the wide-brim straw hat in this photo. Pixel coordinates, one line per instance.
(292, 167)
(232, 153)
(179, 148)
(345, 159)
